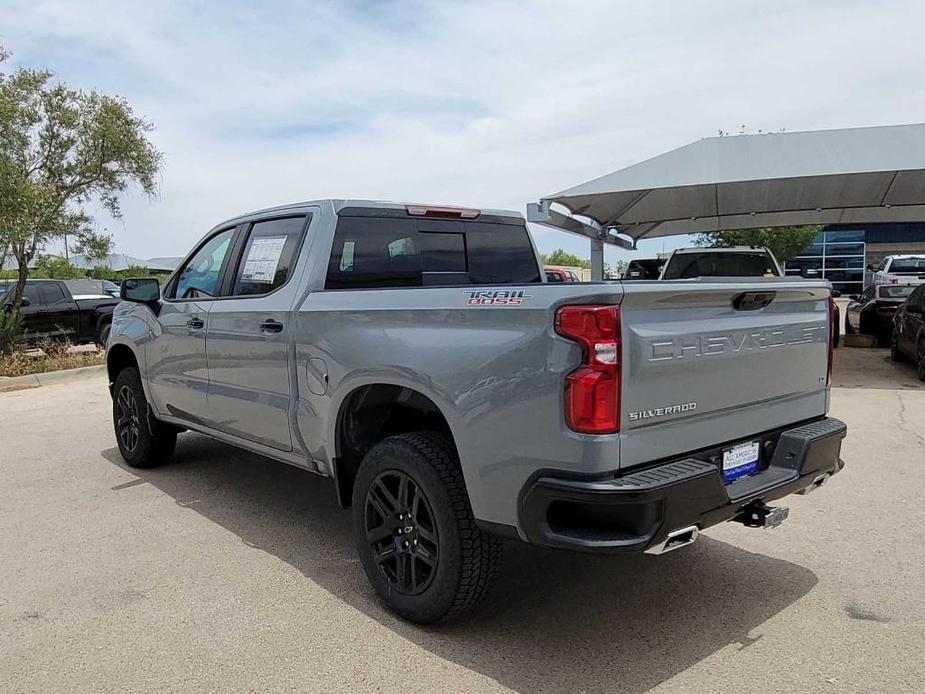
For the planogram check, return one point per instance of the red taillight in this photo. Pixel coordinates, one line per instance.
(438, 211)
(592, 391)
(832, 329)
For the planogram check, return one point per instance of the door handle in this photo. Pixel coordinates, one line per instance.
(271, 326)
(195, 323)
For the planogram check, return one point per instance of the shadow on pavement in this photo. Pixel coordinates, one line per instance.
(555, 621)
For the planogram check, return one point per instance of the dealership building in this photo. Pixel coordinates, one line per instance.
(842, 252)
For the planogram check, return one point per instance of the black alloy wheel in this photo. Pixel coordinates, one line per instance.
(128, 423)
(401, 532)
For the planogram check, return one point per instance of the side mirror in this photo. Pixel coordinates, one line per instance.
(140, 290)
(871, 267)
(836, 294)
(26, 301)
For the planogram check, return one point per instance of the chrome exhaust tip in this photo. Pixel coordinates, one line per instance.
(817, 482)
(682, 537)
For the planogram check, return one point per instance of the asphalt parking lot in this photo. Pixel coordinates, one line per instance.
(228, 572)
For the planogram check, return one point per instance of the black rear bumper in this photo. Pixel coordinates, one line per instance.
(636, 511)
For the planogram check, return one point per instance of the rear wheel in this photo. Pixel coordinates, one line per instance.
(414, 529)
(143, 441)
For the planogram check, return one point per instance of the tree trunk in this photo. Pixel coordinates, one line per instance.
(23, 275)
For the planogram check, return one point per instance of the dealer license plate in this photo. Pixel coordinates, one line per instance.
(740, 460)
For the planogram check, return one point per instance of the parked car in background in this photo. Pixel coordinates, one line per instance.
(908, 340)
(644, 269)
(899, 269)
(50, 309)
(738, 261)
(559, 275)
(414, 355)
(872, 312)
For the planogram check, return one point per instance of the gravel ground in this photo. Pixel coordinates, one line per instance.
(228, 572)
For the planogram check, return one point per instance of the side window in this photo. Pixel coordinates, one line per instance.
(915, 299)
(33, 292)
(52, 293)
(269, 255)
(374, 253)
(199, 277)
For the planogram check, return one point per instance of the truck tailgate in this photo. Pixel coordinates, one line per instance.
(707, 362)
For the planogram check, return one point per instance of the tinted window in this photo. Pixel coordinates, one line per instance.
(716, 264)
(500, 254)
(907, 265)
(916, 298)
(401, 252)
(269, 256)
(52, 293)
(32, 292)
(199, 277)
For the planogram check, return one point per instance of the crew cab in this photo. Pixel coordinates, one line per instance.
(51, 310)
(898, 269)
(414, 355)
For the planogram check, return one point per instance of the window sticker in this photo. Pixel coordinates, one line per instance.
(262, 259)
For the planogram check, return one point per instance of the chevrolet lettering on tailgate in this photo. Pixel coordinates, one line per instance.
(729, 343)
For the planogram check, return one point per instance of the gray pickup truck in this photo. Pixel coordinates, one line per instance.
(415, 355)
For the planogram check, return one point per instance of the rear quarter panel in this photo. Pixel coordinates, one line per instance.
(496, 373)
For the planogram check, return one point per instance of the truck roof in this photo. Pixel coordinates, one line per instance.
(720, 249)
(338, 204)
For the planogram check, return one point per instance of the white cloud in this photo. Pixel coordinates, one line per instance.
(485, 104)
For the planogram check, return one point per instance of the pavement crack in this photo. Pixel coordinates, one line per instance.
(903, 422)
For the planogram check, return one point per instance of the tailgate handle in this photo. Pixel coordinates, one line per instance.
(751, 301)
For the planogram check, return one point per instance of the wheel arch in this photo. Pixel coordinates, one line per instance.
(119, 356)
(372, 412)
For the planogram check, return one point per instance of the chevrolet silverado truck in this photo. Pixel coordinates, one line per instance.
(63, 310)
(414, 355)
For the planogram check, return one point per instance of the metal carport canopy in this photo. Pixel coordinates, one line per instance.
(852, 175)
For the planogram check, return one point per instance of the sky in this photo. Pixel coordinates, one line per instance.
(482, 104)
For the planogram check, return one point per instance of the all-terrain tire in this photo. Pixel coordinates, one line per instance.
(143, 441)
(467, 559)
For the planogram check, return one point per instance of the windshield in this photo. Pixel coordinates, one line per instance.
(908, 265)
(719, 264)
(896, 291)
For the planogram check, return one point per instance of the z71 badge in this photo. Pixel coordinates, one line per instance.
(497, 297)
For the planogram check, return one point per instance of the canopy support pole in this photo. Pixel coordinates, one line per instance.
(597, 260)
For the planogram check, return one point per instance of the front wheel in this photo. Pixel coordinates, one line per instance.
(143, 441)
(414, 529)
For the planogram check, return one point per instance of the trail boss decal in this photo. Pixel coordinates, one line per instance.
(497, 297)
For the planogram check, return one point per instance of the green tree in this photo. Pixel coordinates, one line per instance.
(783, 242)
(60, 151)
(56, 267)
(561, 257)
(94, 246)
